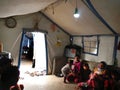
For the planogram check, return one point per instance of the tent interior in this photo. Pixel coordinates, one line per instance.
(96, 30)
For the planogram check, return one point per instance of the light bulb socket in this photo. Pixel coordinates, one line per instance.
(76, 10)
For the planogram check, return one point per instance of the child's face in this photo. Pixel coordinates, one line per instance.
(76, 59)
(100, 65)
(85, 67)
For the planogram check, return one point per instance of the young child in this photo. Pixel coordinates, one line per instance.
(96, 79)
(90, 84)
(112, 82)
(75, 76)
(85, 75)
(85, 72)
(66, 69)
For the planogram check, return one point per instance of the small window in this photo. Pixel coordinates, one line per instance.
(90, 44)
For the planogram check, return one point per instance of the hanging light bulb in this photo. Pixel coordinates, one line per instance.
(76, 13)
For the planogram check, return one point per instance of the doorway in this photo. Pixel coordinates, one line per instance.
(32, 56)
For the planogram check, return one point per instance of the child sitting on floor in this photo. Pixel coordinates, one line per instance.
(85, 72)
(75, 75)
(66, 69)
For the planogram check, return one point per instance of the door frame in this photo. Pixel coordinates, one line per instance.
(21, 43)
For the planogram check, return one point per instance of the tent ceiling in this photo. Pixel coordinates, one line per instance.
(21, 7)
(87, 24)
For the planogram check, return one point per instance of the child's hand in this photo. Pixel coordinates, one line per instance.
(92, 75)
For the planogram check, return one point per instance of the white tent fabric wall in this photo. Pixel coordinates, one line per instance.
(22, 7)
(11, 37)
(55, 9)
(118, 54)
